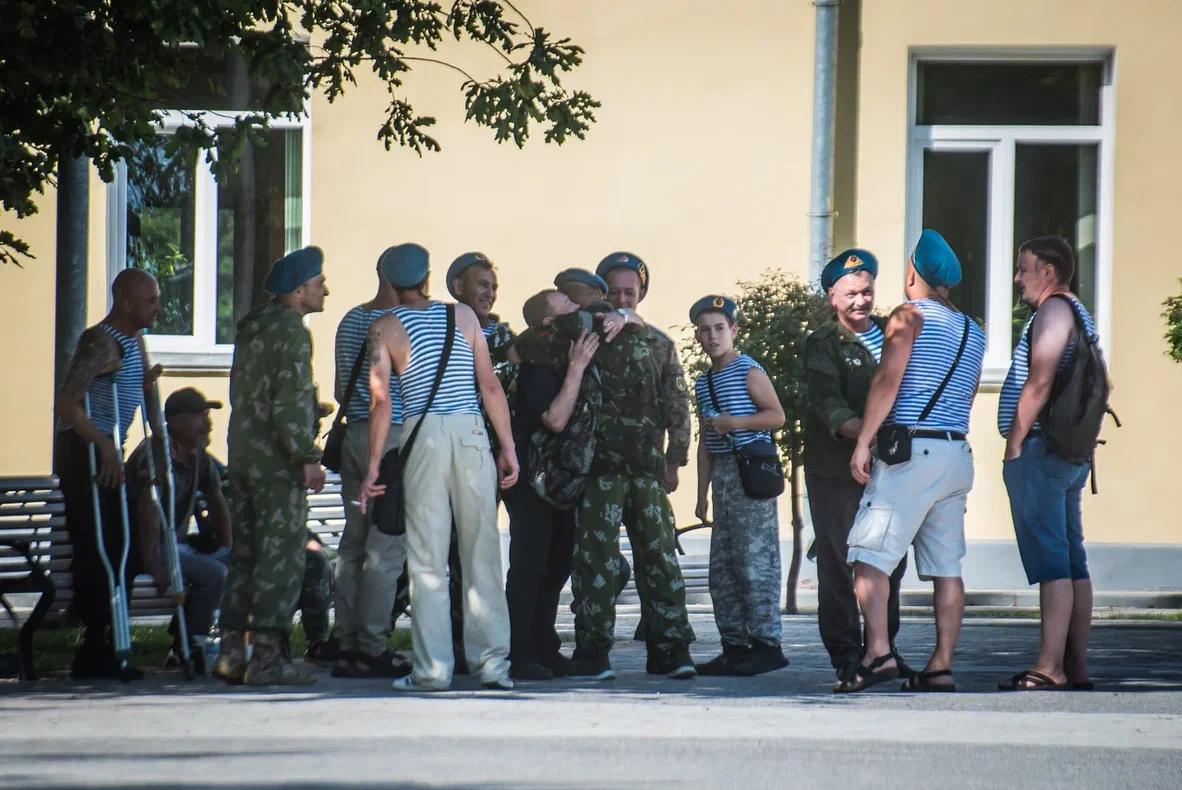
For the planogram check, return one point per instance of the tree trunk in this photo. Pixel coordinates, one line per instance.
(797, 524)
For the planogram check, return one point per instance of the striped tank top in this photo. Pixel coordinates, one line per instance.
(130, 382)
(351, 335)
(489, 330)
(931, 357)
(730, 385)
(1007, 405)
(872, 339)
(457, 392)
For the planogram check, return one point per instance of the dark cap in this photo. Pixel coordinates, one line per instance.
(293, 270)
(462, 264)
(188, 401)
(404, 265)
(582, 277)
(624, 260)
(715, 304)
(848, 262)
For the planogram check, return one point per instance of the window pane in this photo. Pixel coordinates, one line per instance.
(160, 229)
(1008, 93)
(956, 203)
(1055, 195)
(260, 215)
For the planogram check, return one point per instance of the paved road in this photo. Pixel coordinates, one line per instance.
(782, 730)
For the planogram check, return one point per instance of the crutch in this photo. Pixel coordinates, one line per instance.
(176, 583)
(116, 585)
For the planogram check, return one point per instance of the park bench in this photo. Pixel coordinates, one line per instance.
(35, 553)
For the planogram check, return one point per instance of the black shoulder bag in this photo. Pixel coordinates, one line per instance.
(334, 440)
(759, 462)
(894, 440)
(389, 510)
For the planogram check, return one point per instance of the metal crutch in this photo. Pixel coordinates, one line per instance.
(116, 585)
(176, 583)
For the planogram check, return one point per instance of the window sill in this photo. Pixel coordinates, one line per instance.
(193, 361)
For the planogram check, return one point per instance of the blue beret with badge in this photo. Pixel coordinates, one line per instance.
(715, 303)
(848, 262)
(405, 265)
(935, 261)
(293, 270)
(582, 277)
(462, 264)
(624, 260)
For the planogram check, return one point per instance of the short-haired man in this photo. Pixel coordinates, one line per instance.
(109, 354)
(448, 474)
(840, 359)
(541, 536)
(472, 280)
(187, 414)
(925, 384)
(274, 461)
(1044, 487)
(368, 561)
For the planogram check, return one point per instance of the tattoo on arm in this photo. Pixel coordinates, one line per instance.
(377, 345)
(97, 355)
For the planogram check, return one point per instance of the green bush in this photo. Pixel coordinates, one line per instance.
(1173, 316)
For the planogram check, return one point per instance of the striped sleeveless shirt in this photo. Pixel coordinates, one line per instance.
(1007, 405)
(130, 381)
(730, 384)
(351, 335)
(872, 339)
(457, 392)
(931, 357)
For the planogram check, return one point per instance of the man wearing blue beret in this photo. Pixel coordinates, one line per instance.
(273, 461)
(472, 280)
(840, 359)
(916, 492)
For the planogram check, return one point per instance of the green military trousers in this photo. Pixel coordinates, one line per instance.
(597, 564)
(266, 573)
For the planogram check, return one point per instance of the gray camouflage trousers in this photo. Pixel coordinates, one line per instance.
(744, 560)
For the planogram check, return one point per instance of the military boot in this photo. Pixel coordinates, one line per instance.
(231, 663)
(270, 665)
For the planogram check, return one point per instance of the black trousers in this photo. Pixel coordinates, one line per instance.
(541, 544)
(833, 504)
(92, 602)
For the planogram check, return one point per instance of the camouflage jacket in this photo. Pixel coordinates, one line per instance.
(500, 337)
(643, 395)
(272, 397)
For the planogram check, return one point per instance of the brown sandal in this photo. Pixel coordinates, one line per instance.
(1031, 680)
(868, 675)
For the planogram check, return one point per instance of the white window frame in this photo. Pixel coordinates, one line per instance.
(200, 351)
(1000, 142)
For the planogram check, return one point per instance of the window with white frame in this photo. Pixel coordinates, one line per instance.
(1004, 148)
(208, 243)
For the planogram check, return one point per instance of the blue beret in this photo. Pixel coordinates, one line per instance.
(715, 304)
(405, 265)
(624, 260)
(582, 277)
(848, 262)
(293, 270)
(461, 264)
(935, 261)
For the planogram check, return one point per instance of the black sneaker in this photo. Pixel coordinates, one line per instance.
(592, 668)
(387, 664)
(558, 664)
(724, 662)
(345, 666)
(676, 665)
(761, 659)
(176, 659)
(323, 652)
(526, 669)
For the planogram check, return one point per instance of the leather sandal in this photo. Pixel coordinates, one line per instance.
(865, 676)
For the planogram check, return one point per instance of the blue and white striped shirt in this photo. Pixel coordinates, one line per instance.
(730, 384)
(872, 339)
(489, 330)
(457, 391)
(351, 335)
(1011, 389)
(130, 381)
(931, 357)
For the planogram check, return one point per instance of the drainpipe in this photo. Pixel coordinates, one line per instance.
(73, 212)
(824, 109)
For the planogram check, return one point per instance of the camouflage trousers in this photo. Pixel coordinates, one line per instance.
(266, 574)
(597, 567)
(316, 592)
(744, 560)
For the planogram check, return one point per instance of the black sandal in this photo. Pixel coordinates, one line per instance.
(865, 676)
(1031, 681)
(922, 682)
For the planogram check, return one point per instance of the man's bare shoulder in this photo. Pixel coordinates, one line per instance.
(387, 329)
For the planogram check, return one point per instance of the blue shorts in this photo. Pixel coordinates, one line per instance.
(1044, 494)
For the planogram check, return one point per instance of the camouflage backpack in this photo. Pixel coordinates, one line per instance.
(559, 462)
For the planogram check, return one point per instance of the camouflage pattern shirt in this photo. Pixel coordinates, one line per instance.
(272, 397)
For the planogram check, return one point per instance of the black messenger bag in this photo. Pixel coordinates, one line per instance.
(759, 465)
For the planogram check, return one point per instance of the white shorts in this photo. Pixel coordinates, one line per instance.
(921, 503)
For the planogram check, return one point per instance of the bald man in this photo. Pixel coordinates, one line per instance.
(109, 354)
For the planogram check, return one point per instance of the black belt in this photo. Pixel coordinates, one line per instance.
(951, 436)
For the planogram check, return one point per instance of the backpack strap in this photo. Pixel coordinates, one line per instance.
(352, 385)
(448, 342)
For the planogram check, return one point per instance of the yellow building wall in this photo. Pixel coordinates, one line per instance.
(1136, 469)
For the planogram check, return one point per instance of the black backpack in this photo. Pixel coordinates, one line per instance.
(1073, 413)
